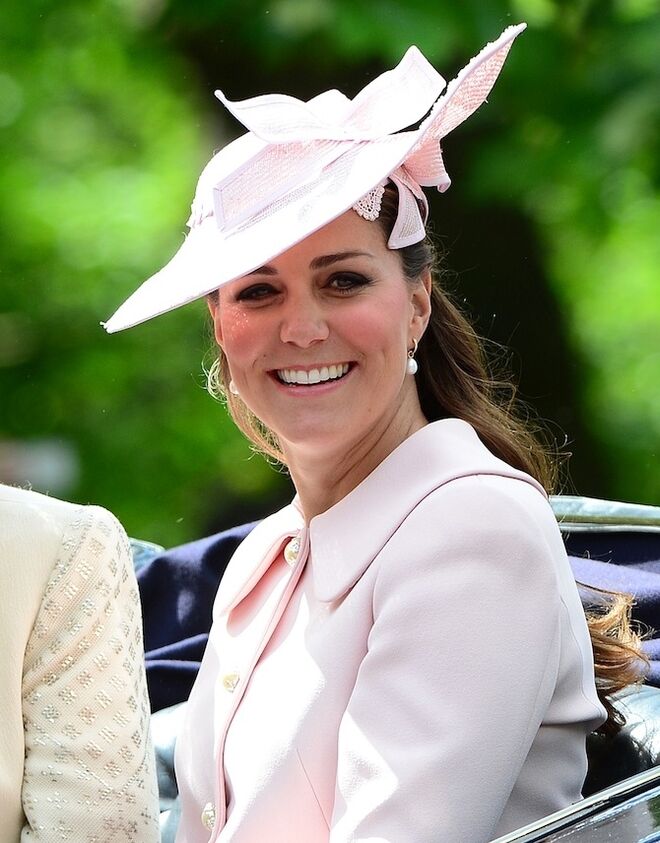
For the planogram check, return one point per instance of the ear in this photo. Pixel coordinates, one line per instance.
(421, 304)
(213, 304)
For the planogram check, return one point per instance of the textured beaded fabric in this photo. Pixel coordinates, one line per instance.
(89, 772)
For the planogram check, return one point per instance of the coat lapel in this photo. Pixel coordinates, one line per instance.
(235, 644)
(249, 563)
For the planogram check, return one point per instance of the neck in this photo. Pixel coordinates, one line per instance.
(323, 476)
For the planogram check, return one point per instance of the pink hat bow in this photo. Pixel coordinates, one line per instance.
(291, 140)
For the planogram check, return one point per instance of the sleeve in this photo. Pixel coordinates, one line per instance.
(461, 663)
(89, 770)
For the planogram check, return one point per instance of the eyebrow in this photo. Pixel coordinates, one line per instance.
(326, 260)
(318, 263)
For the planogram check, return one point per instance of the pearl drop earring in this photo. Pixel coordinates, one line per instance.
(411, 363)
(233, 388)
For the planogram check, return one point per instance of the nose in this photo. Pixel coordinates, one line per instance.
(303, 322)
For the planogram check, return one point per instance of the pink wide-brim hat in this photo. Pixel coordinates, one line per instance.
(301, 165)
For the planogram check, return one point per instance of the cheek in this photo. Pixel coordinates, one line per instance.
(383, 328)
(235, 331)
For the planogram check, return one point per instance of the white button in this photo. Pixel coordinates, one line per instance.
(230, 681)
(208, 816)
(292, 551)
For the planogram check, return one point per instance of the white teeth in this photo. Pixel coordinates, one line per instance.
(325, 373)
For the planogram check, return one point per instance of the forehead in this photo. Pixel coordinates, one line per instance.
(347, 233)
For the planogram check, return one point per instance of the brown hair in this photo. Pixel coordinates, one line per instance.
(455, 380)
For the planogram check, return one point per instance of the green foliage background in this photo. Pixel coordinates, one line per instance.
(106, 117)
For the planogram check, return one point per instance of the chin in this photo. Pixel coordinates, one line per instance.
(318, 436)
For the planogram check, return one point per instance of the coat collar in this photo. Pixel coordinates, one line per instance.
(345, 539)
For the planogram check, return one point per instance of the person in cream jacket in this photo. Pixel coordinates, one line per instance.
(76, 762)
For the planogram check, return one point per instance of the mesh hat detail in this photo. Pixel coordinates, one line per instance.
(302, 164)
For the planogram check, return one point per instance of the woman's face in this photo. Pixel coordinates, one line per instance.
(317, 340)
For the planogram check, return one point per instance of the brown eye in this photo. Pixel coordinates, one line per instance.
(256, 292)
(346, 282)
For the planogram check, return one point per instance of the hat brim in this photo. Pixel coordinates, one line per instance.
(210, 258)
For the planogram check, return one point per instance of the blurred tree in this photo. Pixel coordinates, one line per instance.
(106, 117)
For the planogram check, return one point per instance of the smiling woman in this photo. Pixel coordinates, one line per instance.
(401, 653)
(338, 301)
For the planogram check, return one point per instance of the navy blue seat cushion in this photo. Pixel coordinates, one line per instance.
(627, 561)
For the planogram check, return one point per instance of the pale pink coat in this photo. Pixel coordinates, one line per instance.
(421, 674)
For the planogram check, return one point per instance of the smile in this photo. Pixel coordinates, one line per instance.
(312, 376)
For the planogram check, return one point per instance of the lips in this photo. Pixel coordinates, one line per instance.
(306, 377)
